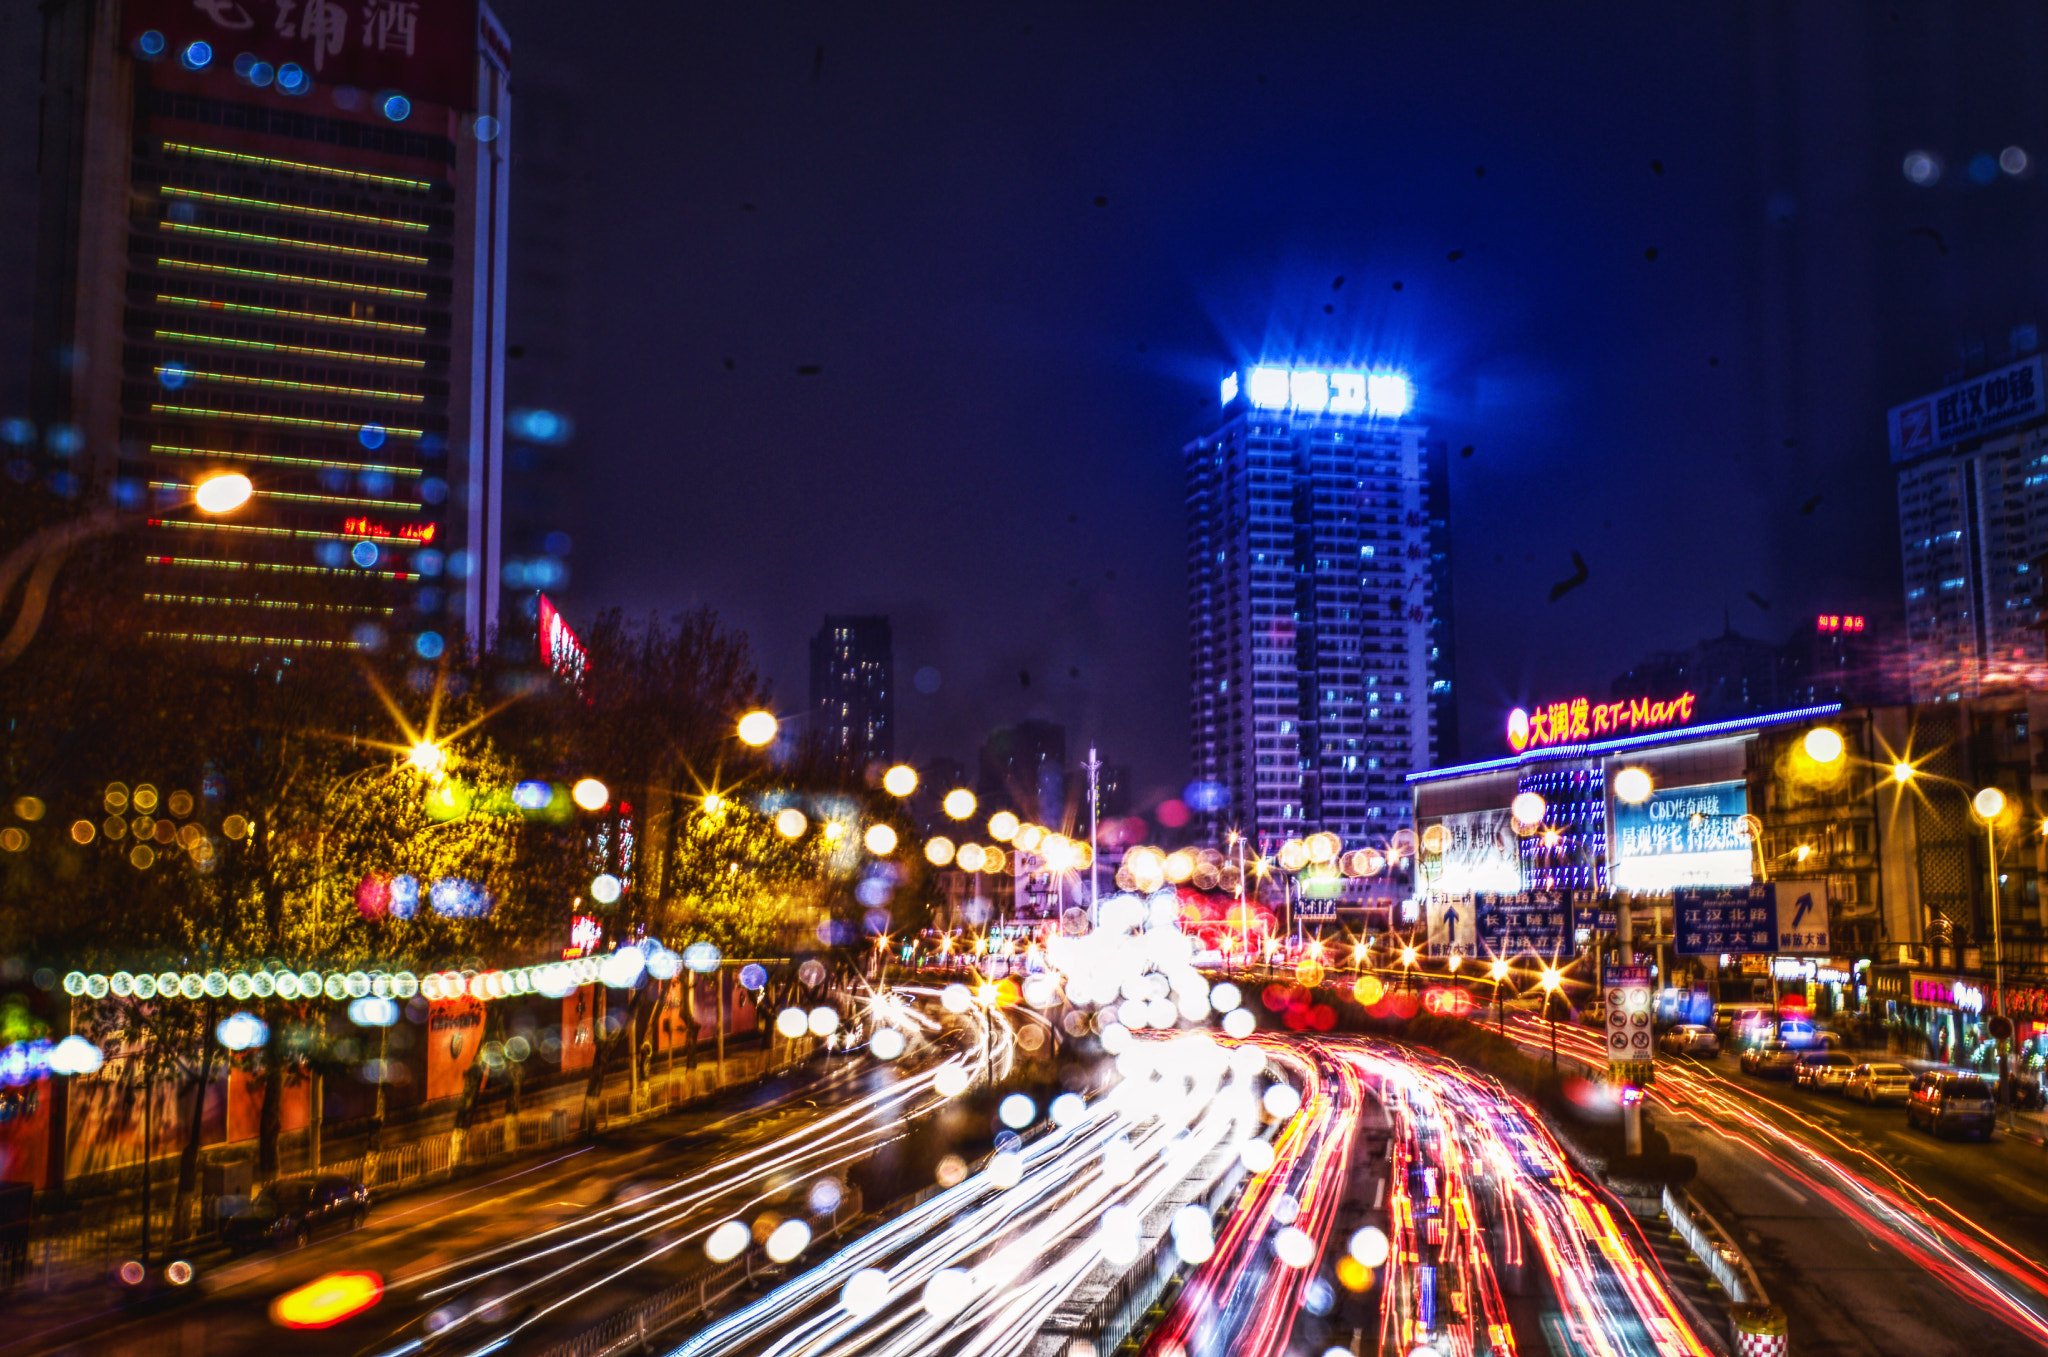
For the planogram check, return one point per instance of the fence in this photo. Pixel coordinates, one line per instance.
(1712, 1246)
(87, 1244)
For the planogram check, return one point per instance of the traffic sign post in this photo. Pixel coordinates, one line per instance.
(1631, 1052)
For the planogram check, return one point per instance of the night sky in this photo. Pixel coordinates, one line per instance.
(1657, 267)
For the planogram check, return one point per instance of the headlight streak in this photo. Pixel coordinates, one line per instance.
(1966, 1257)
(841, 1136)
(1020, 1250)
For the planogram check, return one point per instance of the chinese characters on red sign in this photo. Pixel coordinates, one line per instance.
(1581, 719)
(406, 532)
(1840, 622)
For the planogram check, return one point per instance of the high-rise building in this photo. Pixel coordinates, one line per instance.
(272, 241)
(1972, 460)
(853, 689)
(1318, 612)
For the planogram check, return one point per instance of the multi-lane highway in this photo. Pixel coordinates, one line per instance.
(1873, 1238)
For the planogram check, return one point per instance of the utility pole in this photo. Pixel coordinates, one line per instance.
(1094, 767)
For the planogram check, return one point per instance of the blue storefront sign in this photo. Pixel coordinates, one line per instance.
(1731, 921)
(1527, 921)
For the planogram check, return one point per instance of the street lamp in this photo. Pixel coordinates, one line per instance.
(959, 803)
(1550, 983)
(1632, 785)
(1499, 971)
(900, 780)
(427, 757)
(757, 728)
(1823, 744)
(1990, 804)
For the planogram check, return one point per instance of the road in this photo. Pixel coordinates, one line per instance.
(1875, 1239)
(541, 1252)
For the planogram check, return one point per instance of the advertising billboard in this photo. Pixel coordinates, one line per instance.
(1997, 400)
(1682, 836)
(1481, 855)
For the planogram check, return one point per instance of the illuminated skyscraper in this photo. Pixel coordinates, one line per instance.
(272, 240)
(853, 689)
(1318, 606)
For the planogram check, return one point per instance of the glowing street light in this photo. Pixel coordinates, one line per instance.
(590, 794)
(1632, 785)
(1527, 809)
(790, 823)
(1990, 804)
(1823, 744)
(900, 780)
(427, 757)
(880, 840)
(757, 728)
(1550, 981)
(1003, 827)
(1902, 772)
(959, 803)
(1499, 972)
(224, 493)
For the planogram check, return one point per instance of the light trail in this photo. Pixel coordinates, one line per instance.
(977, 1268)
(1972, 1262)
(536, 1276)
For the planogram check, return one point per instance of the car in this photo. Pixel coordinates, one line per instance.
(1876, 1082)
(1769, 1060)
(1944, 1101)
(1821, 1070)
(1750, 1025)
(1693, 1039)
(288, 1213)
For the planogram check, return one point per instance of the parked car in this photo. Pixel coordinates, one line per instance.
(289, 1213)
(1878, 1083)
(1693, 1039)
(1822, 1070)
(1769, 1060)
(1750, 1024)
(1943, 1101)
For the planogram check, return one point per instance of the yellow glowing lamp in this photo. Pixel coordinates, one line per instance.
(959, 803)
(900, 780)
(1989, 803)
(1003, 826)
(1527, 810)
(938, 851)
(1902, 772)
(880, 840)
(970, 857)
(790, 823)
(757, 728)
(1293, 855)
(1632, 785)
(1028, 837)
(224, 493)
(426, 756)
(590, 794)
(1823, 744)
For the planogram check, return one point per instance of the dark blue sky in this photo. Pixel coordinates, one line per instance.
(990, 451)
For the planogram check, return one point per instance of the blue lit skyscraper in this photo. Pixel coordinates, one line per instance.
(1318, 605)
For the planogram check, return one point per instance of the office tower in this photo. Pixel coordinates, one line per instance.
(853, 690)
(272, 241)
(1972, 461)
(1318, 631)
(1024, 769)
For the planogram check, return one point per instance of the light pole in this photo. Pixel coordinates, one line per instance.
(1990, 805)
(1094, 767)
(1500, 1013)
(1550, 984)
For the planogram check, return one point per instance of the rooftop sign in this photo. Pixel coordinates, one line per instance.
(1384, 395)
(1997, 400)
(1581, 719)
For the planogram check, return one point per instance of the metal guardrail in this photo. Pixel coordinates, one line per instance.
(1714, 1248)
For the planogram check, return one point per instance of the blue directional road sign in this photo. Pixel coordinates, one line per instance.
(1527, 921)
(1726, 920)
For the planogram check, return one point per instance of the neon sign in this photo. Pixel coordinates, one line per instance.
(560, 648)
(1581, 719)
(1840, 622)
(404, 532)
(1386, 395)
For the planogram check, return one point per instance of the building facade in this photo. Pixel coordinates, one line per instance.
(1923, 897)
(272, 241)
(1318, 606)
(853, 690)
(1972, 463)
